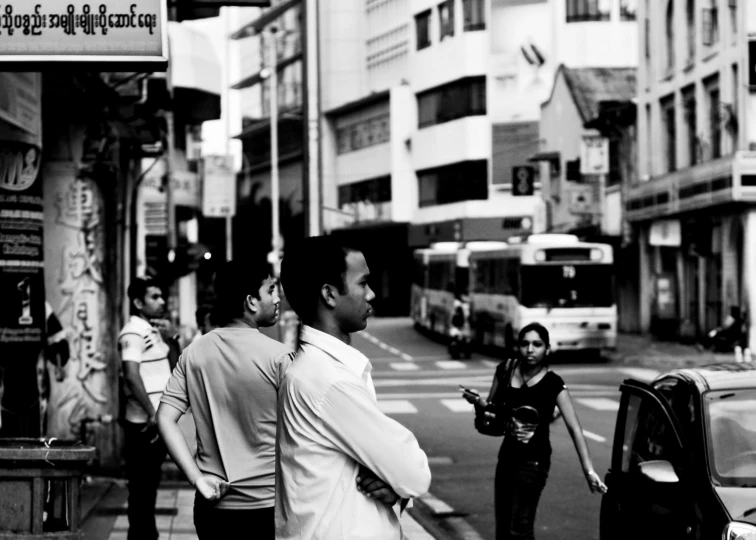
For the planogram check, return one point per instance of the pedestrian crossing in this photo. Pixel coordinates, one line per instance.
(401, 404)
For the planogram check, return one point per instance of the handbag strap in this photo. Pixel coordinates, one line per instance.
(505, 383)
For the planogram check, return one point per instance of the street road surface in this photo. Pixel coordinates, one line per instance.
(417, 384)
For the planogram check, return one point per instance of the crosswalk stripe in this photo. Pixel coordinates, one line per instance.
(600, 404)
(457, 405)
(404, 366)
(451, 364)
(394, 350)
(594, 437)
(396, 406)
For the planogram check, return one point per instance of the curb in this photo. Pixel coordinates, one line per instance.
(441, 520)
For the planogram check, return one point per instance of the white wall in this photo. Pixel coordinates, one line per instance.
(463, 55)
(404, 187)
(363, 164)
(497, 206)
(451, 142)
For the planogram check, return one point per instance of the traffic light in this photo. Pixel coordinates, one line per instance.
(523, 180)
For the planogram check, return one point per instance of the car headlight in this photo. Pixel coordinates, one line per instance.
(739, 531)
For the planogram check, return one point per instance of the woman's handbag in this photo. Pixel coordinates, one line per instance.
(493, 418)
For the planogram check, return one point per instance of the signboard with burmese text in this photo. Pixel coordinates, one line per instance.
(84, 32)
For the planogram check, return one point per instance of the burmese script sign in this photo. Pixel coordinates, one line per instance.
(104, 31)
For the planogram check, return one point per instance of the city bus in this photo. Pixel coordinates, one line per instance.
(553, 279)
(439, 272)
(433, 283)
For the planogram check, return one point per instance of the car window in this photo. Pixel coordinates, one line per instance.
(681, 400)
(648, 435)
(731, 437)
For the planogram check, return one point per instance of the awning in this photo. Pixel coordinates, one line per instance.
(544, 156)
(195, 73)
(257, 78)
(270, 15)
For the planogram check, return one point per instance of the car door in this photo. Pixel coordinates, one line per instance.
(647, 497)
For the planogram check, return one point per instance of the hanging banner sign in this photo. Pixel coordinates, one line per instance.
(80, 31)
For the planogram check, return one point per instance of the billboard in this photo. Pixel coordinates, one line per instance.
(82, 32)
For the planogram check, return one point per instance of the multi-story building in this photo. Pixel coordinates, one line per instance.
(692, 208)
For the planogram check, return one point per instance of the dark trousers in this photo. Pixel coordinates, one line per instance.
(214, 523)
(144, 459)
(517, 491)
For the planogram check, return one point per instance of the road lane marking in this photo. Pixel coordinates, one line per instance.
(440, 460)
(594, 437)
(393, 350)
(405, 357)
(404, 366)
(600, 404)
(396, 406)
(412, 529)
(436, 505)
(457, 405)
(451, 364)
(383, 346)
(641, 374)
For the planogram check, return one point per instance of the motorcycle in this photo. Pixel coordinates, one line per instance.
(460, 343)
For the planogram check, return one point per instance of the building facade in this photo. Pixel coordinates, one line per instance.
(692, 208)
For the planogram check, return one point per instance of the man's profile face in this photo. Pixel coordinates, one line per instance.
(153, 304)
(268, 304)
(353, 307)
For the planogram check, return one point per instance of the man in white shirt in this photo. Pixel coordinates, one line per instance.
(145, 345)
(331, 433)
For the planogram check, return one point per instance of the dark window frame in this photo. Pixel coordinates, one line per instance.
(423, 30)
(586, 11)
(446, 28)
(474, 15)
(457, 182)
(458, 99)
(669, 110)
(628, 12)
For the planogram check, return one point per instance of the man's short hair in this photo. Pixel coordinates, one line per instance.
(203, 311)
(307, 266)
(233, 282)
(138, 288)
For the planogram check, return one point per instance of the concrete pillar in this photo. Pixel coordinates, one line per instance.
(646, 288)
(749, 272)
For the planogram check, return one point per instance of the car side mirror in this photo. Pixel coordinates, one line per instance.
(659, 471)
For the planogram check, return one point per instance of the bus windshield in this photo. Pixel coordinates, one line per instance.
(567, 285)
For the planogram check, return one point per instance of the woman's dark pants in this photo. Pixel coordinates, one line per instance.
(216, 523)
(517, 491)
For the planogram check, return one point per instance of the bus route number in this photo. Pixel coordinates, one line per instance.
(568, 272)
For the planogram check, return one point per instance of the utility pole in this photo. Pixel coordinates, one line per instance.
(275, 258)
(314, 187)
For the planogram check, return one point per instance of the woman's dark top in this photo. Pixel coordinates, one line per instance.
(532, 409)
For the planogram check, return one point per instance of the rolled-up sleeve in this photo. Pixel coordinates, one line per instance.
(353, 422)
(176, 393)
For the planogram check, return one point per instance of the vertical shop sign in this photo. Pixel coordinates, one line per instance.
(22, 318)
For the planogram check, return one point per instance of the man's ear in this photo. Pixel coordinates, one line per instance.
(252, 303)
(138, 303)
(328, 294)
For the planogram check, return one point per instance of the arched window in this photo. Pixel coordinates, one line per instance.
(690, 23)
(669, 30)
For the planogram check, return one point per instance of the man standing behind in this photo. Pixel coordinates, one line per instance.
(145, 360)
(230, 378)
(331, 433)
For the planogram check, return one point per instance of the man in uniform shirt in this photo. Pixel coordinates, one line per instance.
(145, 360)
(230, 378)
(342, 465)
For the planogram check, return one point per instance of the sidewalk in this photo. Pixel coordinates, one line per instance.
(646, 351)
(104, 512)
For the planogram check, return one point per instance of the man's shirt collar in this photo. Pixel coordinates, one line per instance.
(353, 359)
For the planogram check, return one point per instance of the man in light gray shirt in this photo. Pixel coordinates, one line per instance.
(230, 378)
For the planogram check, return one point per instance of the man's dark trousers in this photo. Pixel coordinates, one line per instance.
(144, 454)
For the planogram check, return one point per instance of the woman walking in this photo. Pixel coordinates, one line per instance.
(525, 392)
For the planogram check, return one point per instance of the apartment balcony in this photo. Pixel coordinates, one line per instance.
(464, 139)
(465, 54)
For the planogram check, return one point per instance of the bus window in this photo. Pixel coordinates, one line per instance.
(440, 275)
(418, 273)
(567, 285)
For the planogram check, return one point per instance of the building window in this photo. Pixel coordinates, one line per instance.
(691, 124)
(649, 142)
(690, 20)
(734, 16)
(615, 162)
(628, 9)
(732, 120)
(669, 32)
(363, 133)
(475, 14)
(588, 10)
(376, 190)
(446, 19)
(714, 106)
(669, 132)
(710, 17)
(422, 28)
(465, 97)
(465, 181)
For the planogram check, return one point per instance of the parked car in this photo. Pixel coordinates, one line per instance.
(683, 460)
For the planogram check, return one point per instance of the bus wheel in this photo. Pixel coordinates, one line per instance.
(509, 340)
